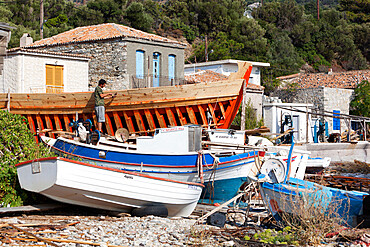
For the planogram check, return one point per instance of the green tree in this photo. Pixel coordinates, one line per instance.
(138, 18)
(357, 11)
(360, 105)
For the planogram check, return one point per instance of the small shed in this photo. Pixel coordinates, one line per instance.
(279, 117)
(39, 71)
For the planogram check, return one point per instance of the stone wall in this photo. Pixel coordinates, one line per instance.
(108, 61)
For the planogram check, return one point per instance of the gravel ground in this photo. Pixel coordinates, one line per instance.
(105, 231)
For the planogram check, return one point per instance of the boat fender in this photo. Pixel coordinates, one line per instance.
(217, 219)
(156, 210)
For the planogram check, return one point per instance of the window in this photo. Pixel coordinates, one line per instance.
(171, 67)
(140, 64)
(336, 121)
(54, 79)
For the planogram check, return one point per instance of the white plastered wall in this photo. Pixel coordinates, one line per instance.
(26, 73)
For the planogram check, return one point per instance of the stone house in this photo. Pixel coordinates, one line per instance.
(125, 57)
(330, 94)
(39, 71)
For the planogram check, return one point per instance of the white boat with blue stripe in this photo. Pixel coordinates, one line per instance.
(172, 153)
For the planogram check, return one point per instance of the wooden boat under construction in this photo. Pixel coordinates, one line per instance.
(141, 110)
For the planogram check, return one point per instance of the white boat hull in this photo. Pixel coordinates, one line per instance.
(105, 188)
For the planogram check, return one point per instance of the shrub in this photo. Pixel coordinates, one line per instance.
(17, 144)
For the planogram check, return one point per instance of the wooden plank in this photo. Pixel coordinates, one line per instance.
(150, 119)
(31, 208)
(117, 120)
(191, 114)
(129, 123)
(222, 109)
(181, 117)
(212, 110)
(171, 117)
(160, 118)
(49, 125)
(108, 125)
(139, 121)
(203, 115)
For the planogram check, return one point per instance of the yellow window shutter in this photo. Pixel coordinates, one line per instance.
(50, 75)
(59, 76)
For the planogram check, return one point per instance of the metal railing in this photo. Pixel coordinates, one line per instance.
(148, 81)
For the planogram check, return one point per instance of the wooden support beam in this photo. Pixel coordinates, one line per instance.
(129, 123)
(222, 109)
(139, 121)
(160, 118)
(58, 123)
(150, 119)
(181, 117)
(31, 124)
(212, 110)
(171, 117)
(49, 125)
(192, 117)
(108, 125)
(203, 115)
(66, 122)
(40, 124)
(117, 120)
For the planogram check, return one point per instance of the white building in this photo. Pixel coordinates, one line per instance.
(226, 67)
(279, 117)
(37, 71)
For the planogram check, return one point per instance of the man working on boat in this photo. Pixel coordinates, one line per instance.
(99, 103)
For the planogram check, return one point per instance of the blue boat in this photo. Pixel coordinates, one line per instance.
(288, 197)
(172, 153)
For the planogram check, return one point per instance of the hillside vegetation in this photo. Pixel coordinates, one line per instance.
(284, 33)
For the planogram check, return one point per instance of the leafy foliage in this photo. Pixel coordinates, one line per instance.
(361, 102)
(17, 144)
(285, 33)
(271, 236)
(251, 120)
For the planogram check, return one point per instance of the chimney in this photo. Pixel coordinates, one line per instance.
(26, 40)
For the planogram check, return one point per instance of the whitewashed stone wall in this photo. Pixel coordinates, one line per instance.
(26, 73)
(337, 99)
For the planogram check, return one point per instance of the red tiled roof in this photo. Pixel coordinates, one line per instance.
(13, 50)
(211, 76)
(347, 79)
(100, 32)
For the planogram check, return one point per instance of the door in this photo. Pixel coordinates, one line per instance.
(156, 67)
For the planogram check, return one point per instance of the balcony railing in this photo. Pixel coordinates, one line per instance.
(147, 81)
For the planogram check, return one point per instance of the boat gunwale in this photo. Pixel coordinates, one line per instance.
(106, 168)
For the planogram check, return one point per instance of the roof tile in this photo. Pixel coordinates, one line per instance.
(100, 32)
(347, 79)
(211, 76)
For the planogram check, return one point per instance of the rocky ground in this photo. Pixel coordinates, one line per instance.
(74, 226)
